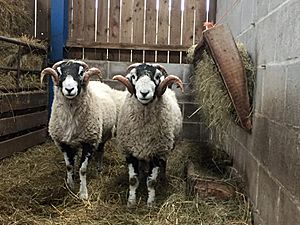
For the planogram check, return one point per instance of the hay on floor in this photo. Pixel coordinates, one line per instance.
(33, 191)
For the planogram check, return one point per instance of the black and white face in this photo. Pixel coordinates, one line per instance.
(70, 78)
(145, 78)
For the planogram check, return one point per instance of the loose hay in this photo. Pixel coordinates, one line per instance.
(33, 191)
(211, 93)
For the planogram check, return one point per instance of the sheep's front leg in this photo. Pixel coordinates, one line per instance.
(133, 167)
(87, 150)
(69, 156)
(152, 180)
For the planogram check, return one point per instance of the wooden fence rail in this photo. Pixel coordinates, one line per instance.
(134, 30)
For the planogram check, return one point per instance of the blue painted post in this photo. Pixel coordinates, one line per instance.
(59, 35)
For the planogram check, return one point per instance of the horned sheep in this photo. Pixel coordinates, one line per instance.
(150, 120)
(82, 117)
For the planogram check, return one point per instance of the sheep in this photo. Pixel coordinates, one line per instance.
(82, 117)
(150, 120)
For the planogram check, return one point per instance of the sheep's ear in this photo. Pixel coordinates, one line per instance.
(124, 81)
(92, 72)
(52, 73)
(170, 79)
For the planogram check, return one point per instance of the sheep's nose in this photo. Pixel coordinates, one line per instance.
(69, 90)
(144, 93)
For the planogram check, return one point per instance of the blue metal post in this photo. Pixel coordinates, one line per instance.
(59, 35)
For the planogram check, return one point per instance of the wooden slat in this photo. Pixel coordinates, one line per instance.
(90, 53)
(150, 22)
(175, 23)
(70, 20)
(174, 57)
(138, 21)
(149, 56)
(101, 54)
(188, 22)
(126, 21)
(162, 56)
(114, 21)
(114, 55)
(43, 19)
(137, 56)
(163, 20)
(89, 20)
(200, 18)
(20, 123)
(23, 100)
(102, 19)
(78, 13)
(75, 53)
(125, 55)
(133, 46)
(23, 142)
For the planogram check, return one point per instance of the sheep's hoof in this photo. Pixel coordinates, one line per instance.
(84, 196)
(151, 204)
(131, 203)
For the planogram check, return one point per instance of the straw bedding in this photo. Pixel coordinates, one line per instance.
(33, 191)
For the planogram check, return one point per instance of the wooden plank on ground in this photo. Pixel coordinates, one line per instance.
(102, 21)
(78, 12)
(163, 22)
(188, 22)
(43, 19)
(138, 21)
(89, 20)
(114, 21)
(20, 123)
(22, 100)
(199, 18)
(175, 23)
(126, 21)
(150, 25)
(23, 142)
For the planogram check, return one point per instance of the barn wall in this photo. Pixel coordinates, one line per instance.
(269, 158)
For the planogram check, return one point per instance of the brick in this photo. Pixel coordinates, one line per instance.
(102, 65)
(261, 140)
(288, 31)
(274, 3)
(292, 96)
(258, 96)
(268, 194)
(234, 19)
(289, 211)
(261, 8)
(221, 9)
(251, 177)
(274, 92)
(191, 131)
(117, 68)
(248, 38)
(265, 39)
(247, 13)
(175, 69)
(187, 72)
(285, 157)
(239, 158)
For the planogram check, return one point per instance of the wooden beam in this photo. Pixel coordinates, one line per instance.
(23, 142)
(20, 123)
(127, 46)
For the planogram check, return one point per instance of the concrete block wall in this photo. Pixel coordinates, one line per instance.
(192, 127)
(269, 158)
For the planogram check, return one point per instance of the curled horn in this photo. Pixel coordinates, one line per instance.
(124, 81)
(52, 72)
(92, 72)
(132, 66)
(57, 64)
(85, 66)
(167, 81)
(161, 68)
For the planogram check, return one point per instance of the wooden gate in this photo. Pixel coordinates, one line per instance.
(134, 30)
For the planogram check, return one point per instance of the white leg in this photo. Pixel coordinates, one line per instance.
(83, 193)
(151, 181)
(70, 172)
(133, 185)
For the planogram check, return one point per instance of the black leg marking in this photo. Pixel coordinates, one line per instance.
(99, 156)
(69, 156)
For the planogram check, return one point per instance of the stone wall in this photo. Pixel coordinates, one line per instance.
(269, 158)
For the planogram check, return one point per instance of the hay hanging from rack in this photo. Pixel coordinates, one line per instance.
(212, 96)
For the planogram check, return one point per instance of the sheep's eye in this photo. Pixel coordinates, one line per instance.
(133, 77)
(157, 77)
